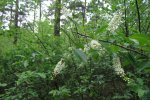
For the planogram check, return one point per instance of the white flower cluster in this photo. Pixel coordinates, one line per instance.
(127, 79)
(94, 45)
(115, 22)
(66, 12)
(86, 48)
(59, 67)
(117, 66)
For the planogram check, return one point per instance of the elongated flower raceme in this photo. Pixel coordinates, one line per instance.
(119, 70)
(59, 67)
(115, 22)
(117, 66)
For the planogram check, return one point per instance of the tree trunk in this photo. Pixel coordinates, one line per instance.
(57, 17)
(34, 18)
(138, 14)
(11, 15)
(84, 12)
(16, 22)
(126, 22)
(40, 10)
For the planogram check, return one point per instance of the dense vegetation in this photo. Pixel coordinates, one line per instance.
(75, 50)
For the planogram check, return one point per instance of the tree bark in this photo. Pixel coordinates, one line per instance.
(16, 22)
(84, 12)
(40, 10)
(11, 15)
(126, 22)
(138, 14)
(57, 18)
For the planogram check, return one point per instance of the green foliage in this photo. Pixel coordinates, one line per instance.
(61, 93)
(141, 38)
(3, 84)
(27, 68)
(81, 55)
(26, 86)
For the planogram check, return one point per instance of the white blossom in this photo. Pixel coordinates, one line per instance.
(95, 44)
(102, 51)
(115, 22)
(86, 48)
(117, 66)
(66, 12)
(59, 67)
(92, 45)
(71, 48)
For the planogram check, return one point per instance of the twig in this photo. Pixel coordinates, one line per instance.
(68, 35)
(147, 27)
(38, 39)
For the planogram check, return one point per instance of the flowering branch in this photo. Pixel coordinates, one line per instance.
(111, 28)
(118, 45)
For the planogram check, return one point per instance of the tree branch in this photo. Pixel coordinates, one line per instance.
(118, 45)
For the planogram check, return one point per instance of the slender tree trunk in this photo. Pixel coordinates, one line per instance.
(148, 27)
(57, 17)
(2, 16)
(40, 10)
(11, 16)
(34, 18)
(126, 22)
(16, 22)
(84, 12)
(138, 14)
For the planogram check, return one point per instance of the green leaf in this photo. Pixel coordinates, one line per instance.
(135, 41)
(141, 92)
(141, 38)
(147, 70)
(114, 49)
(3, 84)
(147, 49)
(1, 23)
(81, 55)
(120, 97)
(42, 75)
(102, 29)
(26, 63)
(144, 66)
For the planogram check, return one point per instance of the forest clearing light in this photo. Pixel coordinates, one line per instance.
(29, 17)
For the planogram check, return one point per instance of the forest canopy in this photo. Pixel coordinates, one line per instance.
(74, 49)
